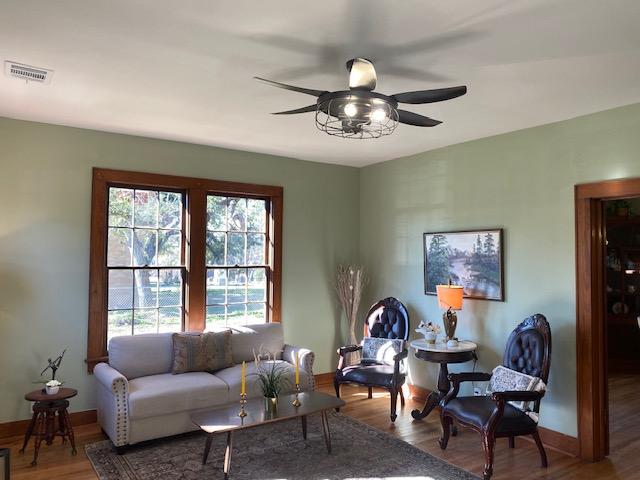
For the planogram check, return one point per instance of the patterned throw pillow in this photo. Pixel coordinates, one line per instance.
(203, 352)
(380, 350)
(504, 379)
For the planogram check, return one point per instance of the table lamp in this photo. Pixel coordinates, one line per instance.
(450, 297)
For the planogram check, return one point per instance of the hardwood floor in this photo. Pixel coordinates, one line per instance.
(521, 463)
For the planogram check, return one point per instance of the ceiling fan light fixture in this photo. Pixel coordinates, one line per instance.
(356, 114)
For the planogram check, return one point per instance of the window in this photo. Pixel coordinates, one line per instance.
(180, 254)
(236, 261)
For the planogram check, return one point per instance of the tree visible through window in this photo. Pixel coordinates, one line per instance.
(144, 261)
(236, 261)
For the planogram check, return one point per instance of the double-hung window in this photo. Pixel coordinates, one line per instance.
(172, 254)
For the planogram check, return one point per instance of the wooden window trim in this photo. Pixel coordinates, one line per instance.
(196, 191)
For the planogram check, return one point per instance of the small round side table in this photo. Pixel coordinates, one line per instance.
(440, 353)
(50, 419)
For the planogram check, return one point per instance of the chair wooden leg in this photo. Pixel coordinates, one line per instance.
(446, 431)
(336, 385)
(401, 398)
(512, 442)
(488, 444)
(394, 402)
(543, 454)
(370, 394)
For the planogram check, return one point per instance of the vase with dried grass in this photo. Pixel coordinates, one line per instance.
(351, 280)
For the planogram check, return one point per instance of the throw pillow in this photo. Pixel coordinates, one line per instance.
(203, 352)
(504, 379)
(380, 350)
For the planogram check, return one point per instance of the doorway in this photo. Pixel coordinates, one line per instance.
(593, 304)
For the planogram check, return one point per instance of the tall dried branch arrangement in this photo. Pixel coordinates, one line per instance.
(351, 281)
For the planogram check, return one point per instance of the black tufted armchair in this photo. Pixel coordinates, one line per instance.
(386, 330)
(528, 351)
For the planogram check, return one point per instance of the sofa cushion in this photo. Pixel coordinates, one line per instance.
(246, 340)
(201, 352)
(141, 355)
(163, 394)
(231, 376)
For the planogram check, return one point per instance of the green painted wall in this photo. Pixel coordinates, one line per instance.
(523, 182)
(45, 186)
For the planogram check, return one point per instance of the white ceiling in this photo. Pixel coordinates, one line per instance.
(183, 70)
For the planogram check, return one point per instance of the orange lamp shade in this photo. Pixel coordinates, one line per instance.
(450, 296)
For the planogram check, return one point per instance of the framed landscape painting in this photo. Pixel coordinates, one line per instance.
(473, 259)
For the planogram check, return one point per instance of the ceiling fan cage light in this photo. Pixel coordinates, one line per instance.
(332, 119)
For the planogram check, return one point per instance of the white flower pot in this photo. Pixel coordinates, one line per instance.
(52, 390)
(430, 337)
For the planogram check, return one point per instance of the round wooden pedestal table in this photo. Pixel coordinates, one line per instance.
(443, 355)
(50, 419)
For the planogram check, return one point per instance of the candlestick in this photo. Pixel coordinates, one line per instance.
(243, 402)
(243, 389)
(297, 368)
(296, 401)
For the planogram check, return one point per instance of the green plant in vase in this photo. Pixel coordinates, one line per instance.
(272, 378)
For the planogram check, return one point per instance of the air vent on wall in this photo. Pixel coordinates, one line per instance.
(27, 72)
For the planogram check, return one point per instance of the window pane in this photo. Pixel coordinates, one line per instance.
(119, 247)
(255, 249)
(215, 317)
(119, 323)
(236, 315)
(146, 209)
(144, 247)
(120, 289)
(256, 215)
(237, 210)
(170, 319)
(170, 288)
(256, 313)
(145, 321)
(120, 207)
(146, 288)
(257, 285)
(170, 210)
(236, 285)
(215, 248)
(216, 213)
(235, 249)
(216, 285)
(169, 247)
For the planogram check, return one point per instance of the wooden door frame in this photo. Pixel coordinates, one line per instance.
(591, 348)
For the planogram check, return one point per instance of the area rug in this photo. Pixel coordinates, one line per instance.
(277, 451)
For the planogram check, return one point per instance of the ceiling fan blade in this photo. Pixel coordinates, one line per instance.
(308, 91)
(411, 118)
(310, 108)
(430, 96)
(362, 74)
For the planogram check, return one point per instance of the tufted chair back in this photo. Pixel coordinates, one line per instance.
(529, 348)
(387, 319)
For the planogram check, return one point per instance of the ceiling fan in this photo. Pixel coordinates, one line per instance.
(362, 113)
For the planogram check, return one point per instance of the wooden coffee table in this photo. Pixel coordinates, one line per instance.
(226, 419)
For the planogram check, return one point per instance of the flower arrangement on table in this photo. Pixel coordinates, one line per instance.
(429, 330)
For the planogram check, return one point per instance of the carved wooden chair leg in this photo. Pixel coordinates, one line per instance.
(543, 454)
(336, 385)
(370, 394)
(446, 430)
(401, 397)
(488, 443)
(512, 442)
(394, 402)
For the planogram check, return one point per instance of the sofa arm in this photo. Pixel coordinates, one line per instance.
(306, 358)
(113, 403)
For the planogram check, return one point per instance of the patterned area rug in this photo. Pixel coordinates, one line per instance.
(277, 451)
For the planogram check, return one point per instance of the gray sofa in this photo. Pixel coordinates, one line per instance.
(139, 399)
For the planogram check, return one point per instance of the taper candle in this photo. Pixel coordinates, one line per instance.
(242, 387)
(297, 368)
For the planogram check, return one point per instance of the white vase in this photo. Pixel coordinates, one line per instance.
(52, 390)
(430, 337)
